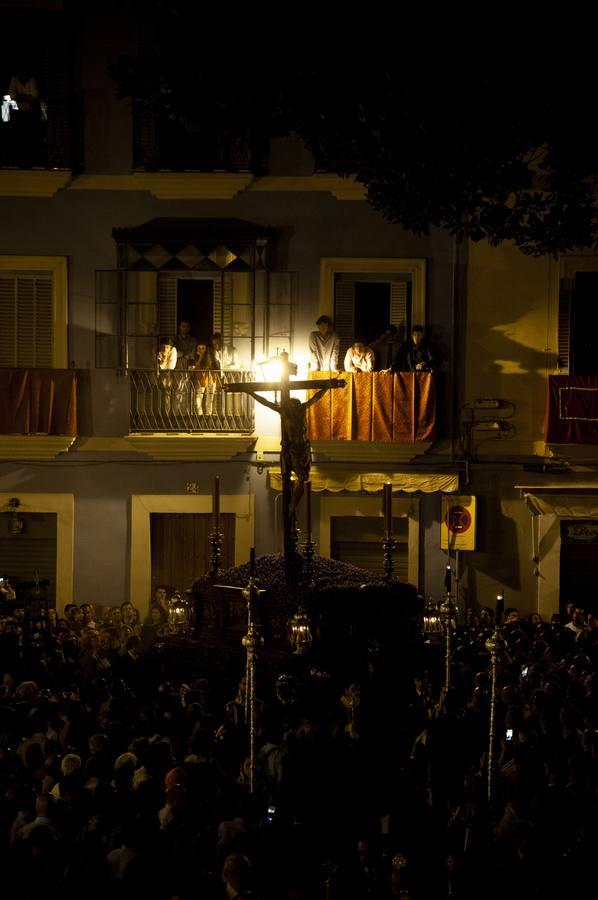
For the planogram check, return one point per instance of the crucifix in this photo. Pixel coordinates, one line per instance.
(295, 449)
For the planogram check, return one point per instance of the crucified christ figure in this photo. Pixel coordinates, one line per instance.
(295, 448)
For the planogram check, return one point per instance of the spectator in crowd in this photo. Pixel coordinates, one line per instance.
(576, 625)
(359, 358)
(324, 345)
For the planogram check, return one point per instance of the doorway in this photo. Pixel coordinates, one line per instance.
(195, 304)
(180, 547)
(28, 555)
(358, 540)
(372, 309)
(579, 563)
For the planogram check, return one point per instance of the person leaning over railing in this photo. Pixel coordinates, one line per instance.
(166, 359)
(206, 366)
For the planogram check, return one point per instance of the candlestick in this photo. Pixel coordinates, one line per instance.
(388, 508)
(308, 509)
(252, 562)
(216, 503)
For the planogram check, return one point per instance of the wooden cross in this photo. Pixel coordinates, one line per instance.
(295, 449)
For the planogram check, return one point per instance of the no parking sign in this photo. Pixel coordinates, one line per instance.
(457, 523)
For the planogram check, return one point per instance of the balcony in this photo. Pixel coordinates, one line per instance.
(377, 416)
(191, 401)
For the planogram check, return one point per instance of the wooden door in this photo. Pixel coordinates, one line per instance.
(180, 547)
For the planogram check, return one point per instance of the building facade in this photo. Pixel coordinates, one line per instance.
(104, 250)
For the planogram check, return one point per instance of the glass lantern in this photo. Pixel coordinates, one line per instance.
(300, 633)
(432, 621)
(179, 614)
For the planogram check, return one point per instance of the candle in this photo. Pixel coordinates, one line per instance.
(252, 562)
(308, 508)
(388, 508)
(216, 503)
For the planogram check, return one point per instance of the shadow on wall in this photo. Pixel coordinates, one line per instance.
(502, 366)
(103, 399)
(497, 551)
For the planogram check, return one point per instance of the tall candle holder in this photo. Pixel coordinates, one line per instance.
(446, 611)
(388, 543)
(252, 641)
(216, 535)
(494, 645)
(309, 545)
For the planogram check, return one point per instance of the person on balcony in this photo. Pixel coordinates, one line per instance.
(359, 358)
(229, 360)
(417, 355)
(324, 347)
(185, 345)
(386, 348)
(25, 119)
(226, 354)
(167, 358)
(207, 366)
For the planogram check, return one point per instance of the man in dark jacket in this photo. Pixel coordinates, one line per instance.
(417, 355)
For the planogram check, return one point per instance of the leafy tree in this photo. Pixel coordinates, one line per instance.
(484, 148)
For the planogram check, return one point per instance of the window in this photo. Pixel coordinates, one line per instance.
(252, 310)
(365, 304)
(33, 312)
(578, 316)
(363, 295)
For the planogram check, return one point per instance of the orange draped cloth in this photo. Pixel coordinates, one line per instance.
(38, 401)
(376, 406)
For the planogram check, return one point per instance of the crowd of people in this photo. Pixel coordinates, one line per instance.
(386, 354)
(122, 773)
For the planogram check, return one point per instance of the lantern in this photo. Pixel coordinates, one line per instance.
(300, 632)
(432, 623)
(179, 614)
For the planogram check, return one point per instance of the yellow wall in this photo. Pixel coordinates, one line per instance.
(511, 339)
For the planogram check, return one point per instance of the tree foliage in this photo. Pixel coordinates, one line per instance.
(484, 148)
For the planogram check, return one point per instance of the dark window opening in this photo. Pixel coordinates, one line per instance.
(372, 309)
(195, 304)
(579, 563)
(584, 325)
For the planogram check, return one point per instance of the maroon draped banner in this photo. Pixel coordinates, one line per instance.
(376, 406)
(38, 401)
(572, 405)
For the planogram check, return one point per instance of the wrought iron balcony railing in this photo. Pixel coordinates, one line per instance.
(189, 401)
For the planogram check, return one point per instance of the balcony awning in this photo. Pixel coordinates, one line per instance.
(372, 482)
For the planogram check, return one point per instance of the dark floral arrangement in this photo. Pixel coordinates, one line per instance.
(330, 577)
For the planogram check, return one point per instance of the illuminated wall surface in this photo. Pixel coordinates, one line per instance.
(492, 313)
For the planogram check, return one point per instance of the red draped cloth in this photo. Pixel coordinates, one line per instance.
(376, 406)
(572, 409)
(38, 401)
